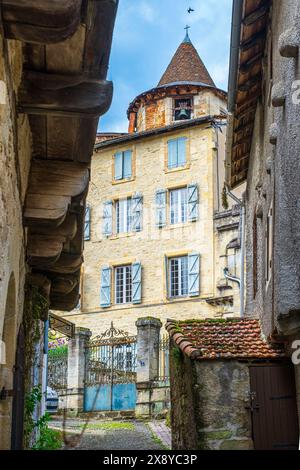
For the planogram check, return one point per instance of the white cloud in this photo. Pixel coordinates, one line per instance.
(219, 73)
(146, 12)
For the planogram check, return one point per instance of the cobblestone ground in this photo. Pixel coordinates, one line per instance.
(117, 435)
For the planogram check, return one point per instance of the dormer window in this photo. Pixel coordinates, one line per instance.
(183, 108)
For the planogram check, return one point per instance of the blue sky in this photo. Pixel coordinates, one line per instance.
(147, 34)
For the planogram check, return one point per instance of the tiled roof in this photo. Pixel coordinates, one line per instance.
(186, 66)
(222, 339)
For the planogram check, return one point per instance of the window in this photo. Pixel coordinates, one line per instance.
(178, 268)
(124, 215)
(183, 108)
(176, 152)
(123, 165)
(123, 284)
(178, 205)
(87, 224)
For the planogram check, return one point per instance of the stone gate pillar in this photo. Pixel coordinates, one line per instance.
(148, 334)
(76, 370)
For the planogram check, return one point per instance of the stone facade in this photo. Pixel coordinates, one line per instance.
(208, 404)
(152, 245)
(15, 156)
(273, 178)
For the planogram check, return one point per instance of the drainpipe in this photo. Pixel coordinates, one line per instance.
(237, 15)
(241, 280)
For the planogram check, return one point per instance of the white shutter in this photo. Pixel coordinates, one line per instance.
(105, 293)
(161, 208)
(136, 272)
(193, 202)
(194, 274)
(127, 164)
(107, 218)
(137, 213)
(172, 154)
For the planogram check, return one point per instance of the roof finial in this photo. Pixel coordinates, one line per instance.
(187, 37)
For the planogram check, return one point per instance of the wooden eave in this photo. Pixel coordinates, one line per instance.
(63, 91)
(162, 92)
(249, 86)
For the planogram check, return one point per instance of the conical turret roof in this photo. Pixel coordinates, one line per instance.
(186, 66)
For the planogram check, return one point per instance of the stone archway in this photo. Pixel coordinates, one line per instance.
(7, 367)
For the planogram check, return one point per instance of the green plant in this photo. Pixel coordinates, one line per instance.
(58, 352)
(47, 439)
(109, 426)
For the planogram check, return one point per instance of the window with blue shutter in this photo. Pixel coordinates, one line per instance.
(136, 283)
(123, 165)
(194, 274)
(137, 212)
(87, 224)
(105, 290)
(193, 202)
(161, 208)
(177, 152)
(107, 218)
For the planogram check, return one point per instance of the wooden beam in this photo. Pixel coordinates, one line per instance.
(67, 264)
(59, 95)
(246, 86)
(256, 15)
(253, 40)
(245, 67)
(40, 21)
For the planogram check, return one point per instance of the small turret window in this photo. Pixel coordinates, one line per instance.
(183, 108)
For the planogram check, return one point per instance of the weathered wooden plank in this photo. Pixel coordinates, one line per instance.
(54, 178)
(51, 94)
(40, 21)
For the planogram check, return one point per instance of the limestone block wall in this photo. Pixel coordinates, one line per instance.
(15, 151)
(151, 245)
(204, 420)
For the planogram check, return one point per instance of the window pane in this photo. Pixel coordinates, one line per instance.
(124, 215)
(179, 276)
(123, 284)
(178, 206)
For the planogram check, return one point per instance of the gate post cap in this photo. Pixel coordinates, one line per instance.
(80, 331)
(148, 321)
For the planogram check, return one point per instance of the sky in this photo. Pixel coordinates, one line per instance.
(146, 36)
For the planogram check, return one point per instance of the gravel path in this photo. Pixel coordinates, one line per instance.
(112, 435)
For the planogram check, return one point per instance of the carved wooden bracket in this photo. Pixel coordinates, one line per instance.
(40, 21)
(63, 95)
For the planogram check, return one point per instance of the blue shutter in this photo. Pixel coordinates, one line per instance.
(87, 223)
(172, 154)
(127, 164)
(107, 218)
(194, 274)
(181, 142)
(137, 212)
(193, 200)
(118, 161)
(105, 287)
(161, 208)
(136, 283)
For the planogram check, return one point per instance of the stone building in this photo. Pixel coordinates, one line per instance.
(263, 151)
(157, 238)
(53, 88)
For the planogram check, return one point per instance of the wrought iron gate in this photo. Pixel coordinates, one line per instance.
(110, 372)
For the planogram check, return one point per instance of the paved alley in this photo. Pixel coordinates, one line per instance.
(116, 435)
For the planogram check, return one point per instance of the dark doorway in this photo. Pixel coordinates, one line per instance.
(18, 395)
(274, 408)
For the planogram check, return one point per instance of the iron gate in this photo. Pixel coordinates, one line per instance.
(110, 372)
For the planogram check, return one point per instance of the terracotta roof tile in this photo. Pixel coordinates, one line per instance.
(186, 66)
(228, 339)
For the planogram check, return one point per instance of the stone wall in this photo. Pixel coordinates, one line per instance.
(151, 245)
(15, 154)
(208, 400)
